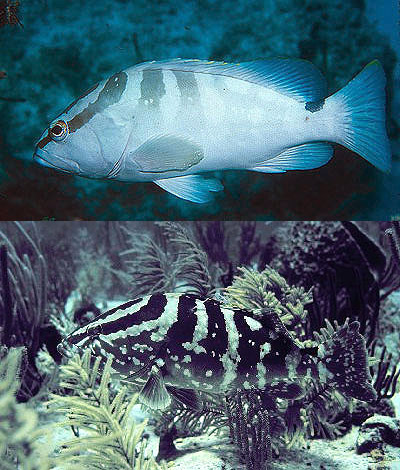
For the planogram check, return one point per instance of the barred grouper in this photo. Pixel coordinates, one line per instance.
(169, 121)
(178, 344)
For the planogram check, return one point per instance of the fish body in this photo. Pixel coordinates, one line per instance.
(169, 121)
(176, 343)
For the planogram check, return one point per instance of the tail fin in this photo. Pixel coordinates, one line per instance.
(345, 356)
(361, 104)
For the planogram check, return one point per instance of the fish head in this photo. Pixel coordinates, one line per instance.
(83, 139)
(78, 152)
(131, 333)
(79, 340)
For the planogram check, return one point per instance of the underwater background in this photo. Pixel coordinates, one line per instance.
(58, 412)
(64, 48)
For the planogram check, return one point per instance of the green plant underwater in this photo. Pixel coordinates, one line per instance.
(20, 437)
(106, 436)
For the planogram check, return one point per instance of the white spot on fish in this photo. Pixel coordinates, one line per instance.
(208, 373)
(187, 372)
(174, 358)
(265, 349)
(261, 374)
(200, 330)
(254, 325)
(177, 366)
(186, 358)
(231, 358)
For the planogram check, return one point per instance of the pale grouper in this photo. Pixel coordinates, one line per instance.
(177, 344)
(168, 121)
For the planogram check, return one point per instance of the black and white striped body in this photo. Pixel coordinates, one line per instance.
(195, 343)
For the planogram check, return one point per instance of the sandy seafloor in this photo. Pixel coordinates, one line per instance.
(66, 47)
(212, 453)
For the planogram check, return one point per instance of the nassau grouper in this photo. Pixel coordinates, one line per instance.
(167, 121)
(177, 344)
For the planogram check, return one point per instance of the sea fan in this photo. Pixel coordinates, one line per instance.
(175, 262)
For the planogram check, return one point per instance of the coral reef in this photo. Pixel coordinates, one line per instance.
(326, 275)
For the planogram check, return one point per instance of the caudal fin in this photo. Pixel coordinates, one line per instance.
(361, 116)
(345, 358)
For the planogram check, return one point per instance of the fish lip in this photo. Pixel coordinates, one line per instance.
(39, 156)
(67, 349)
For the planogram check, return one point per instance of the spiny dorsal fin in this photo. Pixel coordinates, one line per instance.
(297, 78)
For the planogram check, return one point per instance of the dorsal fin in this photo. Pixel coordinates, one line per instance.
(297, 78)
(270, 320)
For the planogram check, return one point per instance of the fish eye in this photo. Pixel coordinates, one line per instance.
(94, 330)
(59, 131)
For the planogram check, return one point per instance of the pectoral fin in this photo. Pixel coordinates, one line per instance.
(154, 393)
(301, 157)
(166, 153)
(193, 188)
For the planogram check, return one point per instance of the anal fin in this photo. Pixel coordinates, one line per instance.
(284, 389)
(193, 188)
(187, 397)
(302, 157)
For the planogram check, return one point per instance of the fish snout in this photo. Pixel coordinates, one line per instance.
(67, 349)
(56, 162)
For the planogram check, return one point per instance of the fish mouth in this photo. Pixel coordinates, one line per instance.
(58, 163)
(68, 350)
